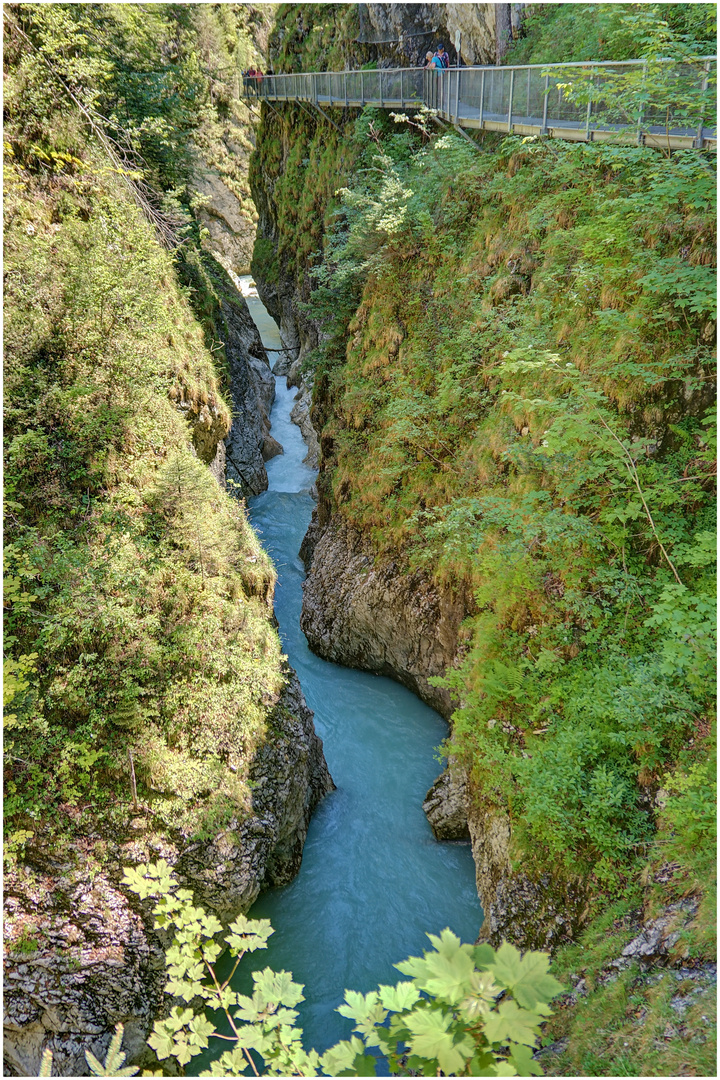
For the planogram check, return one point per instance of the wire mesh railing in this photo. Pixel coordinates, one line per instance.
(657, 101)
(392, 86)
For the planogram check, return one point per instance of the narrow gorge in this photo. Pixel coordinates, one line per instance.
(360, 548)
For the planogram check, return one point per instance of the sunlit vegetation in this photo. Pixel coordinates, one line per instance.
(141, 662)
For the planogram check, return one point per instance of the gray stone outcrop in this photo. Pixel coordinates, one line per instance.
(531, 911)
(300, 415)
(658, 937)
(378, 616)
(446, 806)
(252, 390)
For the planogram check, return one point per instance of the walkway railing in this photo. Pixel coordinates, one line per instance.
(531, 99)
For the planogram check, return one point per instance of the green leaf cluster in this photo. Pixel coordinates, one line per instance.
(468, 1011)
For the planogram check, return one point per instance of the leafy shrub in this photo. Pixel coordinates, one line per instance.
(468, 1011)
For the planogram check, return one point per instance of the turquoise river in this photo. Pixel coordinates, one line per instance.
(373, 880)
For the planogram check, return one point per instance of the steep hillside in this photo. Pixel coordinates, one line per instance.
(150, 712)
(512, 353)
(229, 38)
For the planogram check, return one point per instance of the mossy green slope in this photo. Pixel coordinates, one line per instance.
(138, 600)
(509, 414)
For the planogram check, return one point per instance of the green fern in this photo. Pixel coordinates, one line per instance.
(113, 1059)
(502, 681)
(46, 1064)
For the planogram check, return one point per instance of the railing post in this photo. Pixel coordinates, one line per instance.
(402, 91)
(703, 87)
(482, 97)
(380, 74)
(362, 88)
(640, 114)
(457, 93)
(345, 84)
(512, 86)
(545, 105)
(589, 109)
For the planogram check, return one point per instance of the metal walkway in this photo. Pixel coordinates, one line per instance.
(524, 100)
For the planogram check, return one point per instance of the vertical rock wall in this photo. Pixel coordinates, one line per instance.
(93, 958)
(252, 391)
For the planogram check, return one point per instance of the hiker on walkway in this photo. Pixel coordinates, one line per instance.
(433, 61)
(442, 55)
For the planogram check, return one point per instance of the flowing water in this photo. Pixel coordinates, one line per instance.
(373, 879)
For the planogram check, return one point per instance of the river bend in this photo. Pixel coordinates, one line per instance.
(373, 879)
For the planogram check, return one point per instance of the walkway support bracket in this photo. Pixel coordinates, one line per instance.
(309, 112)
(465, 135)
(338, 129)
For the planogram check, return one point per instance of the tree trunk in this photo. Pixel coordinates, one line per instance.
(516, 16)
(503, 31)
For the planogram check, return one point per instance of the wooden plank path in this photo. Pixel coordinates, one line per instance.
(524, 100)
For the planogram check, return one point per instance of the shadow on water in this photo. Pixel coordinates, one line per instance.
(373, 880)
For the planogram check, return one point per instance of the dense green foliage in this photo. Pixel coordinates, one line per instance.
(315, 37)
(562, 33)
(542, 434)
(139, 644)
(447, 1016)
(514, 388)
(306, 183)
(158, 77)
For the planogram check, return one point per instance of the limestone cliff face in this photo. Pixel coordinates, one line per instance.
(377, 615)
(229, 218)
(252, 389)
(226, 138)
(399, 35)
(406, 31)
(81, 954)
